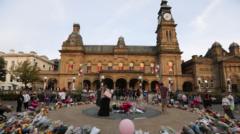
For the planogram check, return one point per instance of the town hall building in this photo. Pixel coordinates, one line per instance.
(124, 66)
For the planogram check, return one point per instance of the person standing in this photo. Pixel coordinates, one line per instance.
(164, 96)
(19, 102)
(26, 99)
(231, 99)
(105, 102)
(207, 100)
(226, 104)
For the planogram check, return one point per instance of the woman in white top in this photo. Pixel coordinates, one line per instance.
(227, 107)
(26, 99)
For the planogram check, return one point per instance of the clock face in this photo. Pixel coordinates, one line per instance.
(167, 16)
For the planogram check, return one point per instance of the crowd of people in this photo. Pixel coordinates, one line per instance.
(30, 101)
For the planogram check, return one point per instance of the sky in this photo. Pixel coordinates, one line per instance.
(42, 25)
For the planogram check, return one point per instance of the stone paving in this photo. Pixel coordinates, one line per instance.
(173, 117)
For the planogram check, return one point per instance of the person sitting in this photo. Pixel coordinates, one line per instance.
(34, 104)
(68, 100)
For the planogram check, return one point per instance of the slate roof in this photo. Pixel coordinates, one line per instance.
(99, 49)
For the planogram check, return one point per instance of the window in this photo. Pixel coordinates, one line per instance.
(142, 68)
(43, 66)
(211, 84)
(70, 66)
(89, 68)
(152, 65)
(109, 66)
(120, 66)
(13, 64)
(99, 67)
(131, 66)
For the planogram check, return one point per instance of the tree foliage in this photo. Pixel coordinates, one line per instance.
(26, 73)
(2, 69)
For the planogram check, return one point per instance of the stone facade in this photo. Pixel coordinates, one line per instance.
(218, 70)
(125, 66)
(13, 58)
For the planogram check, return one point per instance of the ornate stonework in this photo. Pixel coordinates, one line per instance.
(126, 66)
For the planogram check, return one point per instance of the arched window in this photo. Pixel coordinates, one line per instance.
(142, 67)
(131, 66)
(120, 66)
(152, 65)
(89, 67)
(70, 65)
(99, 67)
(170, 67)
(110, 66)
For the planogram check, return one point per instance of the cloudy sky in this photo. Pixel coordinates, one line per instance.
(42, 25)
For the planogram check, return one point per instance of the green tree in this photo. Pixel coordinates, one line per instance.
(27, 73)
(2, 69)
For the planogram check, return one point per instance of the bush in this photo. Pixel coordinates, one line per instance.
(76, 96)
(8, 96)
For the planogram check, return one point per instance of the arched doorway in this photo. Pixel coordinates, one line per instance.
(187, 86)
(235, 80)
(133, 84)
(154, 86)
(87, 84)
(96, 84)
(145, 85)
(121, 84)
(108, 83)
(52, 84)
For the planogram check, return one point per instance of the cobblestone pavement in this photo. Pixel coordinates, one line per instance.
(173, 117)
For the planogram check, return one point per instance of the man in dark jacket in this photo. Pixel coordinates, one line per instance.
(164, 96)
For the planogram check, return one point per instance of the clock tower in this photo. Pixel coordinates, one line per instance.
(169, 53)
(166, 30)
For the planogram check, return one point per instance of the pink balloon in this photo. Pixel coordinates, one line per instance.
(126, 126)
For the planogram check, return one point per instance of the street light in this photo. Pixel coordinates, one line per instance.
(206, 84)
(102, 80)
(229, 84)
(199, 84)
(45, 82)
(73, 83)
(140, 78)
(170, 82)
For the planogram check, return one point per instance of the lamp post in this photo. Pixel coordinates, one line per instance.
(73, 83)
(45, 82)
(229, 85)
(199, 84)
(140, 78)
(102, 77)
(170, 82)
(206, 84)
(157, 71)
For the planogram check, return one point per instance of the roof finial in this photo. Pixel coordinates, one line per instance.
(164, 2)
(76, 28)
(121, 42)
